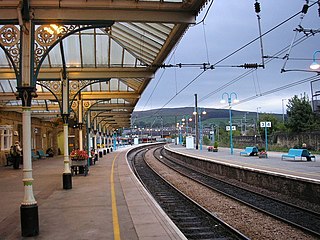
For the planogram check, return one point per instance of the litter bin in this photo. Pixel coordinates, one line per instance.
(104, 152)
(100, 154)
(108, 150)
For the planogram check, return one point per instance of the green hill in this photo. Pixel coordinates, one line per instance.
(169, 116)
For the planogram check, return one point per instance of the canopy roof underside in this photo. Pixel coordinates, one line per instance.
(113, 65)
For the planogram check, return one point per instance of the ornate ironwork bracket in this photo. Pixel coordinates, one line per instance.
(10, 36)
(26, 94)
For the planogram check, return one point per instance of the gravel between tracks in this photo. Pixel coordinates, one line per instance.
(250, 222)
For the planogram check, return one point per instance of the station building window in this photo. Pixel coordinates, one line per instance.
(6, 137)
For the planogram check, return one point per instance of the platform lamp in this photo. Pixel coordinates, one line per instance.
(315, 65)
(229, 98)
(187, 119)
(202, 111)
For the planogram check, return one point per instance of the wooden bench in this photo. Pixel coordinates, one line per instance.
(42, 154)
(250, 151)
(297, 153)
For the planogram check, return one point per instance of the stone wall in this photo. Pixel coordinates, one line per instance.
(282, 140)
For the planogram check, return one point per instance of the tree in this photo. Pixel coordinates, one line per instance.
(300, 115)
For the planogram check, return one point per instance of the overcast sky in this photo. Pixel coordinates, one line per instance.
(228, 26)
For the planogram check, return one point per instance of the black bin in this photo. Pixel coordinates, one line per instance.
(100, 154)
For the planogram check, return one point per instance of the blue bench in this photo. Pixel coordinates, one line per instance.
(34, 155)
(297, 153)
(42, 154)
(250, 151)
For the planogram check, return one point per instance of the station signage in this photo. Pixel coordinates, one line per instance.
(228, 128)
(265, 124)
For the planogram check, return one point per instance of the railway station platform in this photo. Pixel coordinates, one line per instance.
(109, 203)
(272, 164)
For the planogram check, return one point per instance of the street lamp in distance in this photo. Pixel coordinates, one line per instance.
(229, 98)
(315, 65)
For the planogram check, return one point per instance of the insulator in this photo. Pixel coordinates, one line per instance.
(257, 7)
(305, 9)
(250, 65)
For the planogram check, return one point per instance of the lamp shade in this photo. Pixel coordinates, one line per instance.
(315, 66)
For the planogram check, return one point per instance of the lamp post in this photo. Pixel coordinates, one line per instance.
(179, 125)
(202, 111)
(229, 98)
(187, 119)
(315, 65)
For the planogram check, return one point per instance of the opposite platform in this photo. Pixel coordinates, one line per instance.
(272, 164)
(109, 203)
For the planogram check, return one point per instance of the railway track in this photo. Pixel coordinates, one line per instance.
(193, 220)
(304, 219)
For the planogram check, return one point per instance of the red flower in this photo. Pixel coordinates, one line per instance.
(79, 154)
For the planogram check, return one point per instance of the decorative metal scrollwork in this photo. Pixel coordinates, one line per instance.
(47, 35)
(9, 35)
(10, 39)
(86, 104)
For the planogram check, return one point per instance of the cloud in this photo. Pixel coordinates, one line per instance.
(229, 26)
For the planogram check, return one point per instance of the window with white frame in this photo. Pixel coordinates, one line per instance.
(6, 137)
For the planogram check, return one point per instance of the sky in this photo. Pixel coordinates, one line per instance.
(228, 26)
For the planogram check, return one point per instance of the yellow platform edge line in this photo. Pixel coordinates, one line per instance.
(115, 219)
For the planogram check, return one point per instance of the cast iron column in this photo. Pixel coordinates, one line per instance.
(29, 207)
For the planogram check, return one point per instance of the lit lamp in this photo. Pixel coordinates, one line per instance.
(229, 97)
(186, 119)
(315, 65)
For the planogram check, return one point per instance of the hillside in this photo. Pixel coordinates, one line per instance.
(172, 115)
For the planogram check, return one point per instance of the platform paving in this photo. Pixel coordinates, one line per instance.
(86, 210)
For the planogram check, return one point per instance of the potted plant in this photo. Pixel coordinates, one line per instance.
(78, 155)
(215, 146)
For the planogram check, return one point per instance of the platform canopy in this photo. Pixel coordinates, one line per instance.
(109, 50)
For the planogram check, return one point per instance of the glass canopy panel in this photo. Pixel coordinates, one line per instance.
(116, 53)
(3, 59)
(95, 87)
(104, 86)
(88, 50)
(152, 30)
(102, 50)
(46, 62)
(55, 56)
(164, 28)
(71, 47)
(114, 85)
(8, 85)
(143, 33)
(129, 60)
(122, 86)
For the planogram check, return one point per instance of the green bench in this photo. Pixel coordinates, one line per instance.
(250, 151)
(297, 153)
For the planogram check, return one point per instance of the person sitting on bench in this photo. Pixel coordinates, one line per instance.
(308, 157)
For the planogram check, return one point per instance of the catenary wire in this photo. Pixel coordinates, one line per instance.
(226, 57)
